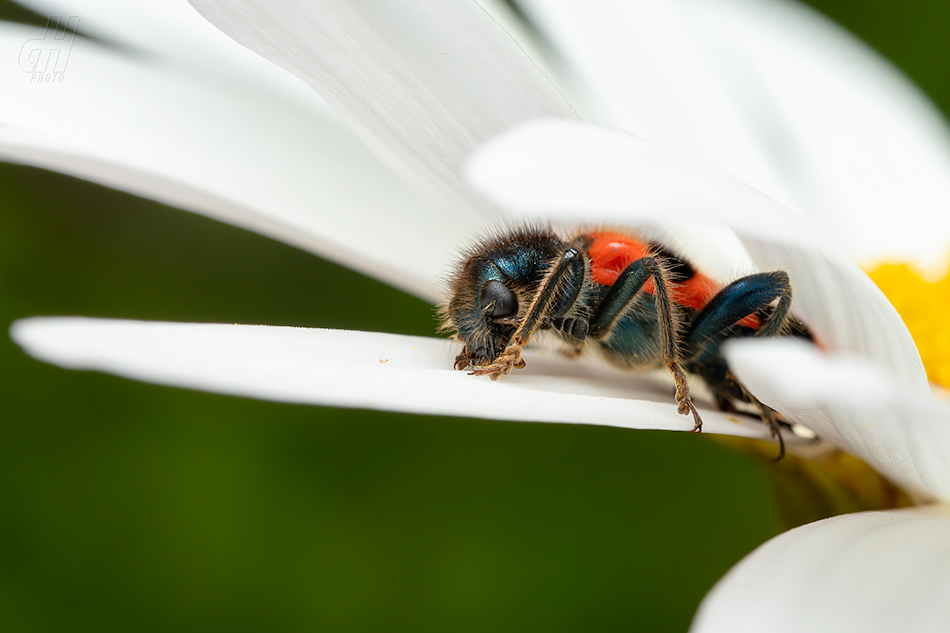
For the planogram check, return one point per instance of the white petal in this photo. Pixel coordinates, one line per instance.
(238, 153)
(874, 571)
(359, 369)
(423, 82)
(173, 31)
(576, 172)
(855, 405)
(642, 62)
(865, 152)
(783, 98)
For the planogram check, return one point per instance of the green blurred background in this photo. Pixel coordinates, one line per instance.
(130, 507)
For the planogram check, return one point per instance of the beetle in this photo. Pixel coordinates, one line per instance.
(633, 301)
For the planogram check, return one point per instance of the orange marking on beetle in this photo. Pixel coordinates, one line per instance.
(751, 321)
(611, 252)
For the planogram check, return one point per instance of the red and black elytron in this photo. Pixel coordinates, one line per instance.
(633, 301)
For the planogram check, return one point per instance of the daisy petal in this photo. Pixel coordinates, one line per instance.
(171, 30)
(423, 82)
(854, 405)
(573, 172)
(284, 168)
(642, 63)
(358, 369)
(856, 141)
(872, 571)
(782, 97)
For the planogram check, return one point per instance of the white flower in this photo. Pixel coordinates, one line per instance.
(728, 94)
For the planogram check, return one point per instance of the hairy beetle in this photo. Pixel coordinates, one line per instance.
(635, 302)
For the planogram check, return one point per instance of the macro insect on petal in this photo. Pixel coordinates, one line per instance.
(630, 300)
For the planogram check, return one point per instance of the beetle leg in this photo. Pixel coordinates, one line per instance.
(733, 303)
(621, 294)
(570, 261)
(464, 359)
(736, 301)
(767, 414)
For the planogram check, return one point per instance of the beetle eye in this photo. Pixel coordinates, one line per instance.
(505, 302)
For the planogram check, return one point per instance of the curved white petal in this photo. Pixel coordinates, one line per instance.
(172, 31)
(423, 82)
(865, 152)
(358, 369)
(854, 405)
(281, 167)
(650, 73)
(780, 96)
(869, 572)
(577, 172)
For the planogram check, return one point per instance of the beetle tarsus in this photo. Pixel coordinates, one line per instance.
(683, 399)
(503, 365)
(463, 360)
(775, 429)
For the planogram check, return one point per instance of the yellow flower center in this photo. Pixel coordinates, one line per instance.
(925, 308)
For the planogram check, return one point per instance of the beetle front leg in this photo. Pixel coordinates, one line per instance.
(464, 359)
(621, 295)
